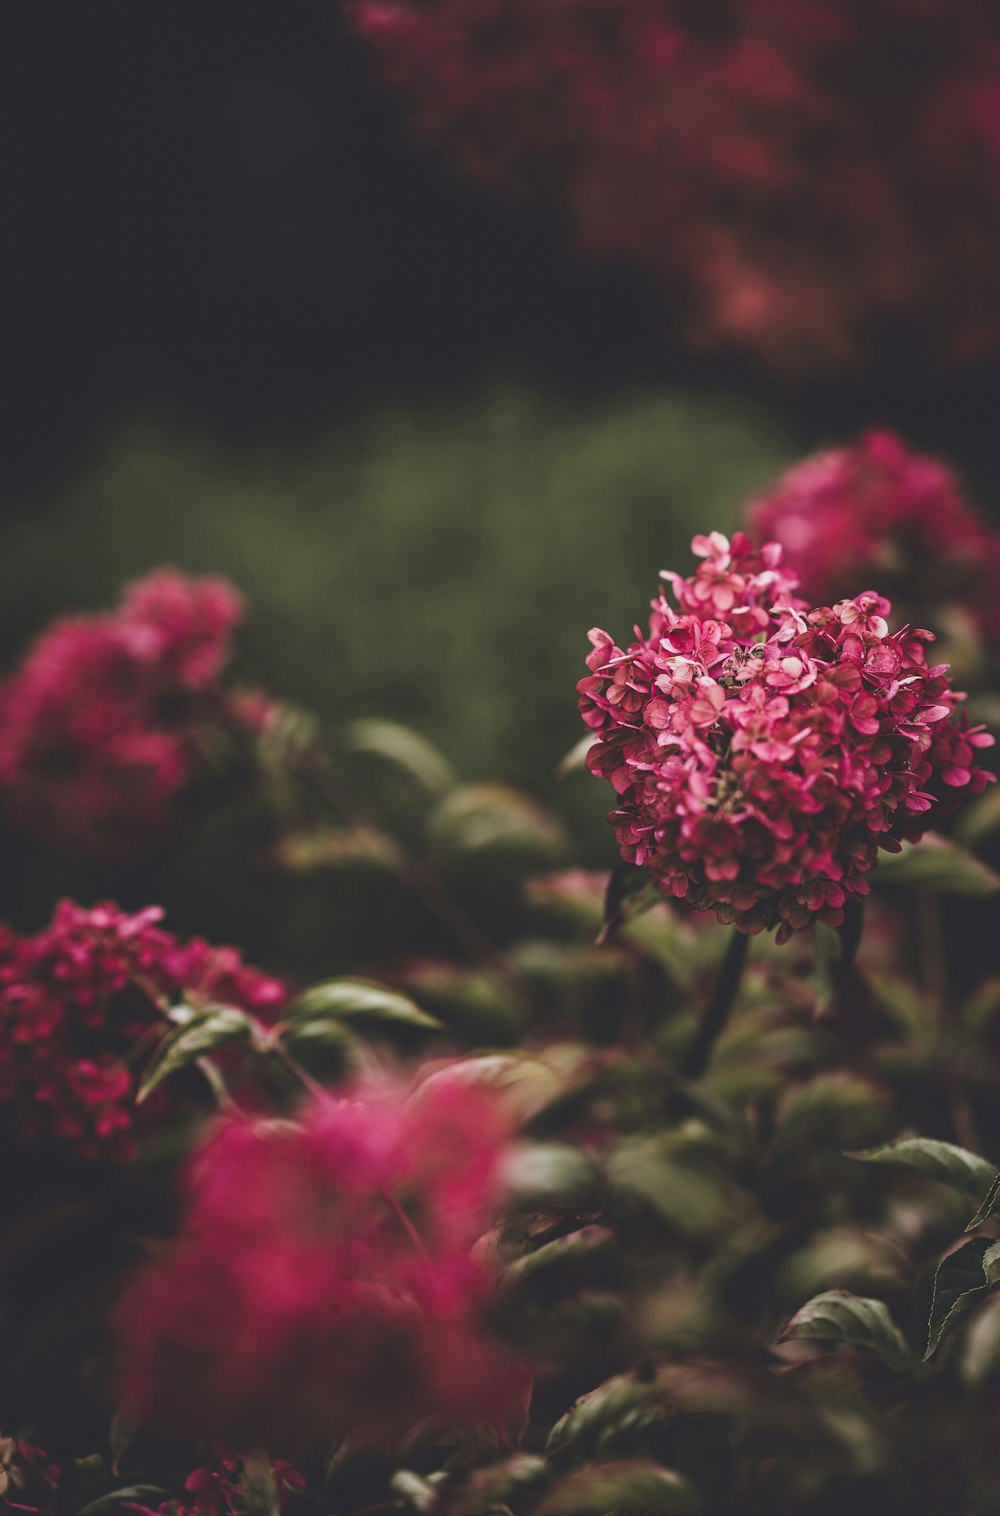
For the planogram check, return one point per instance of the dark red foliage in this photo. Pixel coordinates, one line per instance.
(799, 176)
(79, 1002)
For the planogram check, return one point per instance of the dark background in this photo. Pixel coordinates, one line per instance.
(216, 214)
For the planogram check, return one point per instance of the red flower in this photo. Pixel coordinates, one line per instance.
(761, 751)
(324, 1282)
(76, 1003)
(111, 717)
(876, 511)
(799, 176)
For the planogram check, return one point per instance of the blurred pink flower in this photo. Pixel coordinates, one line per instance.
(877, 511)
(801, 177)
(324, 1282)
(111, 717)
(762, 751)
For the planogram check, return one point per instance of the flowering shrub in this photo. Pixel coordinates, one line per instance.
(81, 999)
(522, 1159)
(761, 751)
(324, 1282)
(112, 717)
(801, 177)
(877, 512)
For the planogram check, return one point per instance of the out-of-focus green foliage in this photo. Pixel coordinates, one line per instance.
(440, 563)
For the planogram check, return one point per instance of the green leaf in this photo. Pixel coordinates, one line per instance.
(579, 1247)
(596, 1415)
(631, 1484)
(203, 1033)
(988, 1207)
(406, 750)
(115, 1500)
(345, 999)
(494, 823)
(943, 1161)
(575, 761)
(549, 1173)
(858, 1322)
(962, 1279)
(936, 863)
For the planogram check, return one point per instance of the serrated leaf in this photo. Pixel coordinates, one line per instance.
(203, 1033)
(629, 1484)
(345, 999)
(989, 1206)
(936, 863)
(115, 1500)
(855, 1320)
(943, 1161)
(403, 748)
(961, 1281)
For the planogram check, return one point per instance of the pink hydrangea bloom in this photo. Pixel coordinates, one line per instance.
(799, 176)
(325, 1281)
(762, 751)
(111, 717)
(77, 1002)
(876, 511)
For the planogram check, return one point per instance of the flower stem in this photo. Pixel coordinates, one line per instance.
(727, 986)
(935, 976)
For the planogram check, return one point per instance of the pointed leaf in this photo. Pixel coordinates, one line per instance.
(203, 1033)
(961, 1281)
(943, 1161)
(406, 750)
(345, 999)
(936, 863)
(631, 1484)
(118, 1500)
(988, 1207)
(855, 1320)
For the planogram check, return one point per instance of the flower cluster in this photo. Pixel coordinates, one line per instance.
(111, 717)
(802, 177)
(762, 751)
(77, 1003)
(221, 1490)
(325, 1283)
(876, 511)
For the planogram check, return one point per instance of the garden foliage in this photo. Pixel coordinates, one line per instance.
(668, 1187)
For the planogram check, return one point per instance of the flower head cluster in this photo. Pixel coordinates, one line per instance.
(801, 177)
(77, 1003)
(877, 511)
(111, 717)
(324, 1283)
(762, 751)
(220, 1489)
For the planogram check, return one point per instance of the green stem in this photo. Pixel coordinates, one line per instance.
(727, 986)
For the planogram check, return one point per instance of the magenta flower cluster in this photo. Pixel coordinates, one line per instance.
(878, 512)
(763, 751)
(80, 1000)
(325, 1282)
(112, 716)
